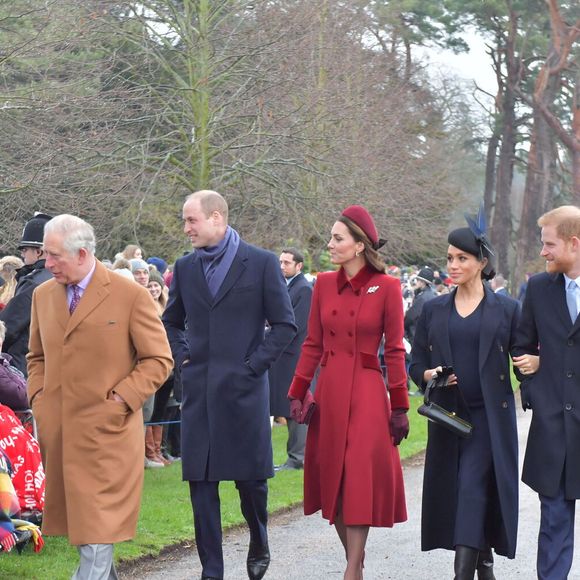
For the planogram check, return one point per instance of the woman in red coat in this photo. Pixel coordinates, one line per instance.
(352, 470)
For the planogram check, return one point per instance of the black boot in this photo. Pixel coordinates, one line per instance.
(485, 565)
(258, 561)
(465, 562)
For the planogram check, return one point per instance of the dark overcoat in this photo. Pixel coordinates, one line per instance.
(16, 315)
(281, 373)
(225, 430)
(554, 391)
(431, 348)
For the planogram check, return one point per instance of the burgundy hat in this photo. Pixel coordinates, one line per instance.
(363, 219)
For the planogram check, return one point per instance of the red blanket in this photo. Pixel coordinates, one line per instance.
(24, 454)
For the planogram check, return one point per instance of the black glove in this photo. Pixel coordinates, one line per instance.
(399, 425)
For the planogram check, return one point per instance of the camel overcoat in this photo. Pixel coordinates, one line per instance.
(349, 451)
(92, 446)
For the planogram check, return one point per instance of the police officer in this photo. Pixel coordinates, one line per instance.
(16, 315)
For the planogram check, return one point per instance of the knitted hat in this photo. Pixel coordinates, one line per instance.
(155, 276)
(33, 233)
(138, 264)
(159, 263)
(363, 219)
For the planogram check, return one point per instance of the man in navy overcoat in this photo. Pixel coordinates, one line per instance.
(282, 372)
(220, 299)
(549, 326)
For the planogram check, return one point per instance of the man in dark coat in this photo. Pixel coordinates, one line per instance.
(281, 373)
(424, 292)
(221, 298)
(549, 318)
(16, 315)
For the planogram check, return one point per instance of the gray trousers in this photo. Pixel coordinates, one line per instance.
(296, 443)
(96, 563)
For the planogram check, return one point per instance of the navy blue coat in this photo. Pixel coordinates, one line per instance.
(17, 314)
(431, 348)
(225, 430)
(282, 371)
(554, 391)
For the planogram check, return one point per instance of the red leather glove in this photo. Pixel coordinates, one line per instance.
(399, 425)
(302, 411)
(295, 409)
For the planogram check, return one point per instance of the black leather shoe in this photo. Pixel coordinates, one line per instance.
(258, 561)
(289, 467)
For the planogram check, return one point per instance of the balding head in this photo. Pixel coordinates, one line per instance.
(205, 218)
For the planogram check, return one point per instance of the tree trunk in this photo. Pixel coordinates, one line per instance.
(502, 215)
(538, 193)
(490, 161)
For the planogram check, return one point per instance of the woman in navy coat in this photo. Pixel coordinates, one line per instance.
(470, 486)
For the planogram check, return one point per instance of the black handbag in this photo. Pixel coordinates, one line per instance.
(438, 414)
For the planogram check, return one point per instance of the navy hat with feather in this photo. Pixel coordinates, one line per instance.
(474, 240)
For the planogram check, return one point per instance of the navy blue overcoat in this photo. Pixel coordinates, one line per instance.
(225, 431)
(554, 391)
(282, 372)
(431, 348)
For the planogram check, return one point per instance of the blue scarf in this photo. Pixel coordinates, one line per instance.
(217, 260)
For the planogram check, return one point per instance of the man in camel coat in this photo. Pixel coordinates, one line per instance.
(97, 351)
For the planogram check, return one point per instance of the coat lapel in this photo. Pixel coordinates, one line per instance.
(490, 322)
(195, 277)
(556, 294)
(96, 292)
(440, 320)
(60, 305)
(236, 270)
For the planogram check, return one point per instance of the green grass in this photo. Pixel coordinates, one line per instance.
(166, 516)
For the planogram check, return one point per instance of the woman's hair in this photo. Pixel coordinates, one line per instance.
(8, 267)
(129, 251)
(121, 264)
(371, 255)
(2, 331)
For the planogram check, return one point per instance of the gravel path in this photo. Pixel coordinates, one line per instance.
(305, 548)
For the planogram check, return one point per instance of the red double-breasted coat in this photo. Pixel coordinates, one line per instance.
(349, 451)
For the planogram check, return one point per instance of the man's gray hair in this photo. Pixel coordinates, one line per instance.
(76, 233)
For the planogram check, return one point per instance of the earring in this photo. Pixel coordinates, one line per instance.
(357, 254)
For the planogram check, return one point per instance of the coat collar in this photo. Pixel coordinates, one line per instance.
(194, 276)
(296, 279)
(490, 322)
(556, 294)
(95, 293)
(362, 278)
(236, 270)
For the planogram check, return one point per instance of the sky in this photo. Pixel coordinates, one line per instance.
(472, 66)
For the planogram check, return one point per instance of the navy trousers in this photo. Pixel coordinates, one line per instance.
(474, 480)
(556, 538)
(205, 501)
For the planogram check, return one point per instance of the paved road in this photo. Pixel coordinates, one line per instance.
(305, 548)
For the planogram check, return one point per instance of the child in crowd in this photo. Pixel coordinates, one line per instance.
(12, 381)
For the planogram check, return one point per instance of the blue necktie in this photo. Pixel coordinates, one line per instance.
(571, 300)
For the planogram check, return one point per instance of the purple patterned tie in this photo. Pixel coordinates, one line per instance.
(76, 298)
